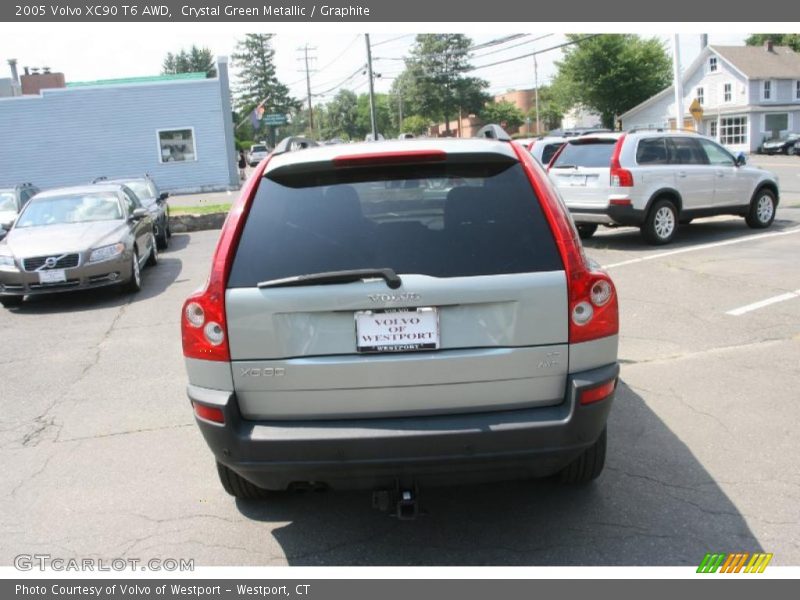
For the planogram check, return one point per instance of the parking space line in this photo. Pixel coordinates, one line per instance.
(762, 303)
(749, 238)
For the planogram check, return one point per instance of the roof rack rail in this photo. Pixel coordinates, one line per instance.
(493, 132)
(662, 130)
(99, 179)
(293, 143)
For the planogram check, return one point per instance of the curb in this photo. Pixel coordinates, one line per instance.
(187, 223)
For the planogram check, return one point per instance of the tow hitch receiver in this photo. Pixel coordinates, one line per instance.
(402, 502)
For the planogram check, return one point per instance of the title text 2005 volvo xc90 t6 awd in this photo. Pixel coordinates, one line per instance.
(394, 314)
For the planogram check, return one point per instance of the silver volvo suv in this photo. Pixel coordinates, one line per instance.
(656, 180)
(392, 314)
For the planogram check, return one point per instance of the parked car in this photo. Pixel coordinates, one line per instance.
(358, 334)
(406, 136)
(797, 147)
(76, 238)
(656, 180)
(152, 199)
(544, 149)
(370, 138)
(257, 153)
(12, 199)
(782, 145)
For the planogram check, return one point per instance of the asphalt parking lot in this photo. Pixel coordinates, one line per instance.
(101, 457)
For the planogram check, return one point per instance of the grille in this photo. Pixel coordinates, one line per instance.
(66, 261)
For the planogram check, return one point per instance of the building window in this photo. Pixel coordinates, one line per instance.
(713, 130)
(766, 91)
(701, 96)
(176, 145)
(774, 123)
(727, 92)
(733, 131)
(797, 90)
(712, 64)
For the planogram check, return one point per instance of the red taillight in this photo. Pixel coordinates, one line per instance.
(593, 308)
(209, 413)
(619, 177)
(203, 325)
(388, 158)
(597, 393)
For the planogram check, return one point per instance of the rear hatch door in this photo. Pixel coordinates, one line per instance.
(477, 322)
(582, 171)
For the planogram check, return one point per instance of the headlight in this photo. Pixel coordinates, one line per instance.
(106, 252)
(6, 260)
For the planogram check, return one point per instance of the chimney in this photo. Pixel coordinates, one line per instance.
(12, 62)
(27, 70)
(703, 41)
(768, 46)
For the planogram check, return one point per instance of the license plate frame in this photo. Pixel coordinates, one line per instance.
(413, 337)
(53, 276)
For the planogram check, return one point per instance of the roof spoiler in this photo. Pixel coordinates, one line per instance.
(293, 143)
(493, 132)
(661, 130)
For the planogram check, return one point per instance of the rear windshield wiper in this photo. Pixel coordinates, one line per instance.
(350, 276)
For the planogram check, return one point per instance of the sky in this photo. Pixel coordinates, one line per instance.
(87, 52)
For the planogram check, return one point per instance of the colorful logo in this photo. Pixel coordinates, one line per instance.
(738, 562)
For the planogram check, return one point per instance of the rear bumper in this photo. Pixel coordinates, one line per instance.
(374, 453)
(609, 215)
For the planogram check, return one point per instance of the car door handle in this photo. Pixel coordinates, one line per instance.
(681, 173)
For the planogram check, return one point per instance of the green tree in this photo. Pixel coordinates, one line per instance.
(342, 113)
(612, 73)
(434, 83)
(779, 39)
(551, 109)
(383, 117)
(195, 60)
(503, 113)
(254, 60)
(415, 124)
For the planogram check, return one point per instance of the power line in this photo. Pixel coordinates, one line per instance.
(394, 39)
(507, 60)
(340, 84)
(342, 53)
(541, 37)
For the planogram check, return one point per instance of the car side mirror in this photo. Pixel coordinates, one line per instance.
(8, 224)
(139, 213)
(163, 196)
(741, 159)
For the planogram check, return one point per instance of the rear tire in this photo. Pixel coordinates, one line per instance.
(134, 284)
(11, 301)
(762, 209)
(239, 487)
(586, 230)
(588, 466)
(162, 239)
(152, 260)
(661, 223)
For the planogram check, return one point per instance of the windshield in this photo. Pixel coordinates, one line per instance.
(258, 149)
(72, 208)
(7, 201)
(141, 189)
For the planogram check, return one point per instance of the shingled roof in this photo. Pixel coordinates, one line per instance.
(756, 62)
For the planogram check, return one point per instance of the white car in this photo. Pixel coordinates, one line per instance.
(656, 180)
(545, 149)
(258, 152)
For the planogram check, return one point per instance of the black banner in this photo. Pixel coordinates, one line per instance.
(419, 11)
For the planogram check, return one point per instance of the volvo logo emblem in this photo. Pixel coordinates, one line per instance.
(50, 262)
(406, 297)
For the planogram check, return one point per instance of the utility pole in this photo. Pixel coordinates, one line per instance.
(677, 82)
(371, 91)
(400, 109)
(536, 91)
(306, 58)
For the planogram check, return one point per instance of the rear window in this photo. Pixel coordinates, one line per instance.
(441, 220)
(591, 154)
(549, 150)
(258, 148)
